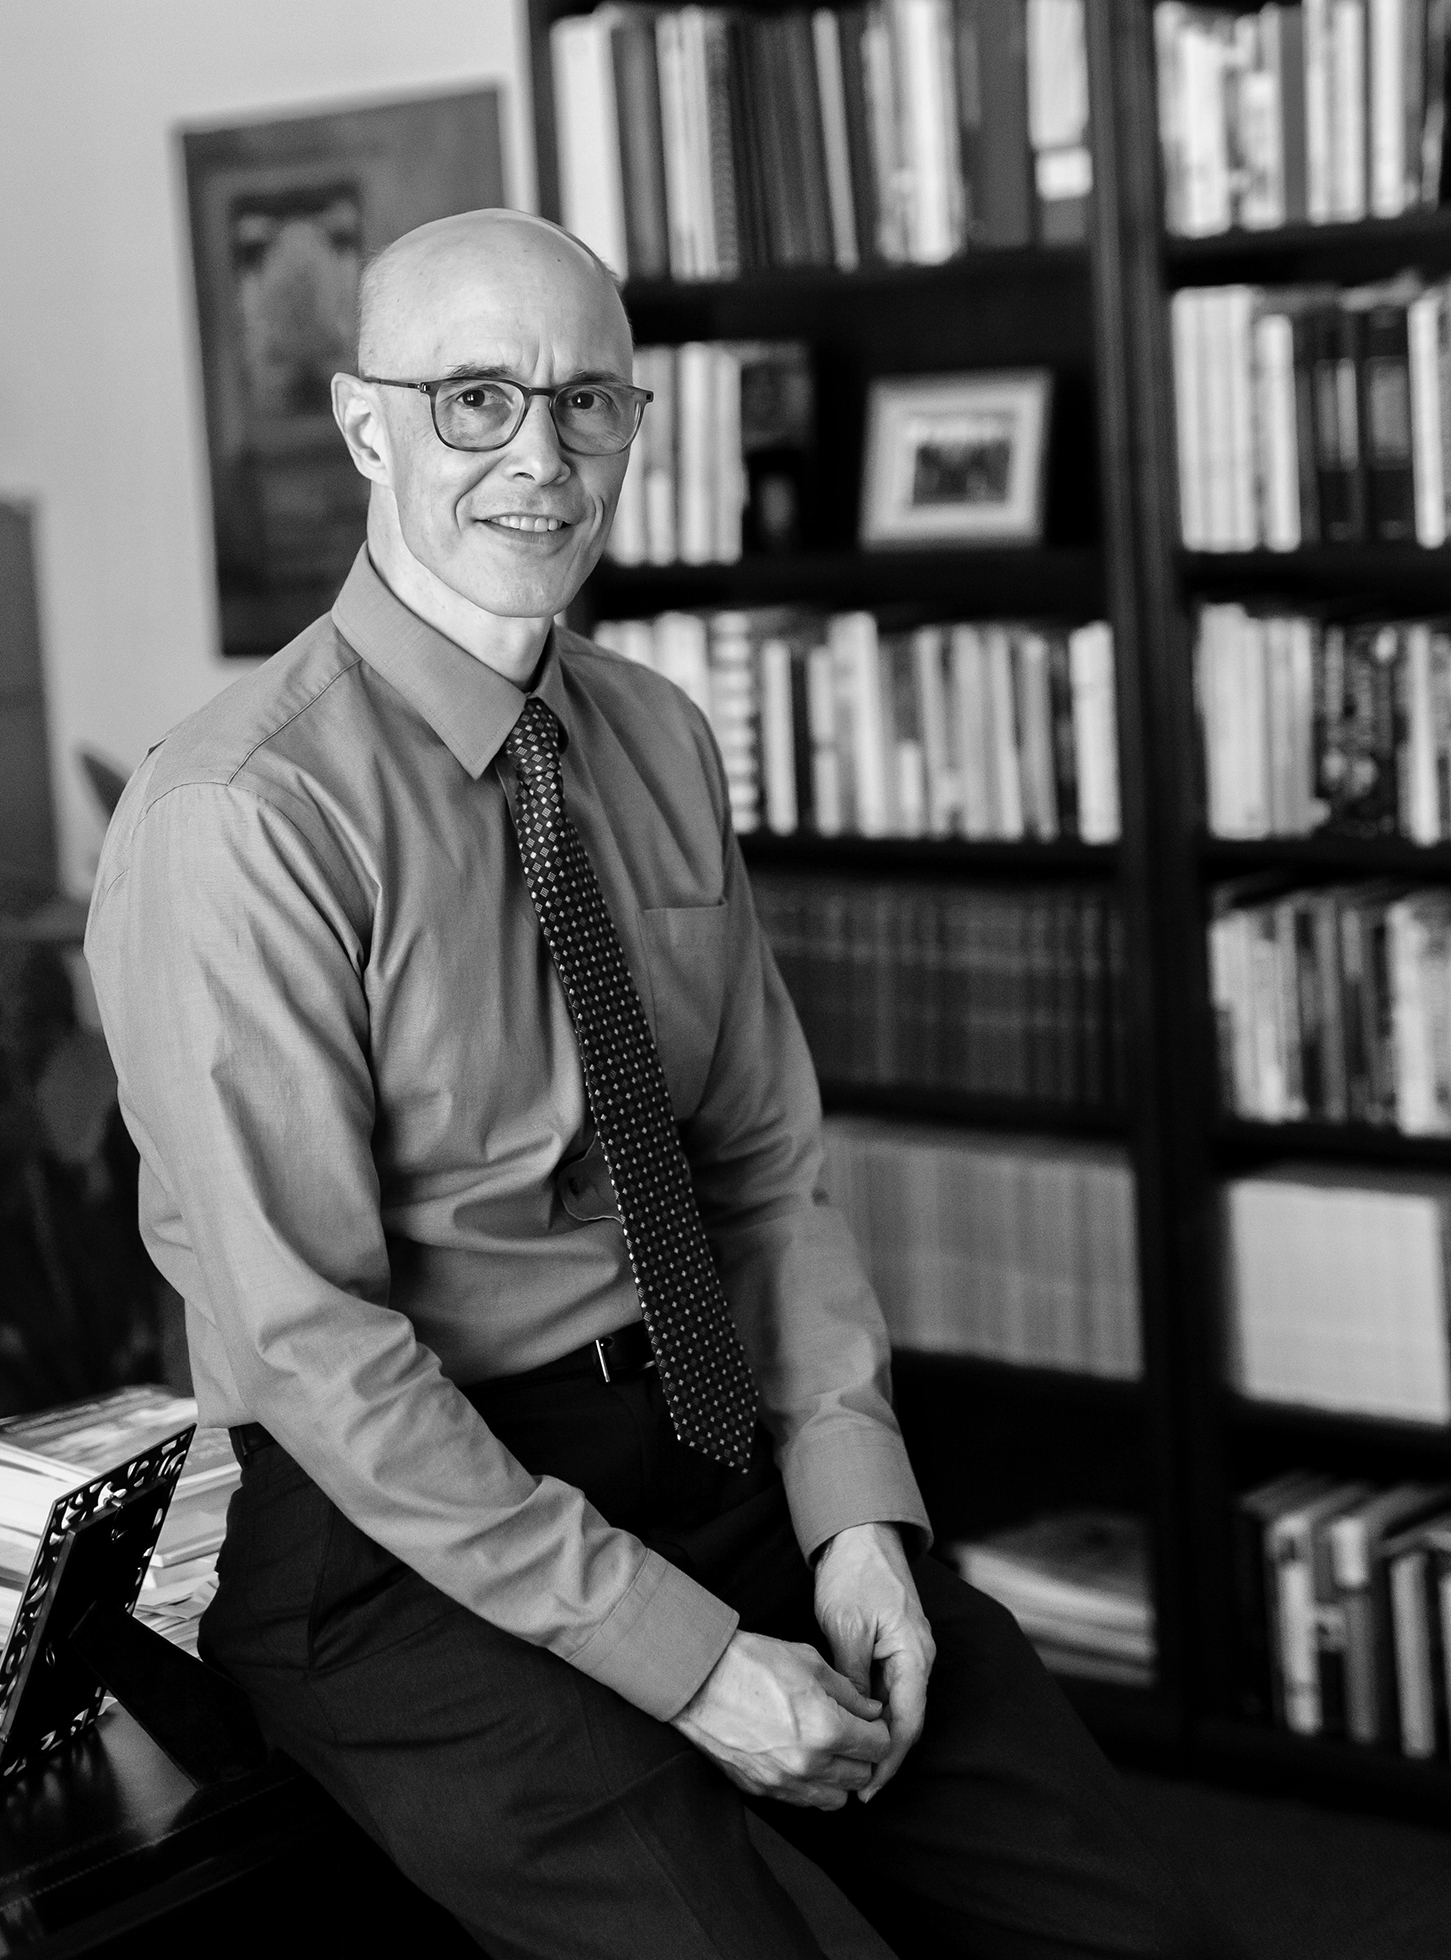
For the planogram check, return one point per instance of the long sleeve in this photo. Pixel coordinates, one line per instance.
(795, 1281)
(230, 942)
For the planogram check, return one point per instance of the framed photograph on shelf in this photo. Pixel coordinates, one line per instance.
(284, 216)
(955, 459)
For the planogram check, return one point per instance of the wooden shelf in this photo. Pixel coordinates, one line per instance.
(1376, 248)
(1309, 1428)
(1326, 855)
(957, 857)
(1017, 1115)
(987, 265)
(1063, 583)
(1402, 577)
(1013, 1378)
(1325, 1771)
(1240, 1143)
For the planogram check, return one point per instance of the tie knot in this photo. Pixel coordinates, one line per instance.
(533, 741)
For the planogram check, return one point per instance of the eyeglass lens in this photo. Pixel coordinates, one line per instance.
(591, 418)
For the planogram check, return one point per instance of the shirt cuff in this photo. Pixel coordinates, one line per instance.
(856, 1475)
(660, 1642)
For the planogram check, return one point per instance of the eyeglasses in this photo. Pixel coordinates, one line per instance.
(591, 418)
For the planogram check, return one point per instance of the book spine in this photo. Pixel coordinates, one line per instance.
(642, 149)
(1385, 417)
(1004, 153)
(826, 31)
(1428, 434)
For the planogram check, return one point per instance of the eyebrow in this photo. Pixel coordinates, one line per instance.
(467, 371)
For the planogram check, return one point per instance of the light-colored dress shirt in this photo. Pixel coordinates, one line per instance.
(367, 1162)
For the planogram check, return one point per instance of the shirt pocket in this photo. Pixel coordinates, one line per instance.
(685, 950)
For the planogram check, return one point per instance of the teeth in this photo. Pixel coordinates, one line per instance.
(530, 523)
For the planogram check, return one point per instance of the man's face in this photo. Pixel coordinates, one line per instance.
(516, 530)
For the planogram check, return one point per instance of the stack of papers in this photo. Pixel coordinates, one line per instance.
(43, 1456)
(1078, 1586)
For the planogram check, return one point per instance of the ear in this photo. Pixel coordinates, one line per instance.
(358, 415)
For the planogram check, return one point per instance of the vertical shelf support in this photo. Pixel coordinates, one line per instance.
(1166, 998)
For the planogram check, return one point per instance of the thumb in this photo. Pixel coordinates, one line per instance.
(853, 1648)
(843, 1689)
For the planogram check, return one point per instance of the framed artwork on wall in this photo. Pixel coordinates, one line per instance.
(284, 215)
(955, 459)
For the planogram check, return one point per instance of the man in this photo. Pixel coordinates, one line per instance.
(393, 942)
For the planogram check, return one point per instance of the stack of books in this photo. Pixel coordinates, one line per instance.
(1337, 1290)
(1311, 416)
(1331, 1004)
(1078, 1585)
(703, 142)
(1328, 112)
(1312, 724)
(1011, 992)
(983, 730)
(1013, 1249)
(1344, 1593)
(43, 1456)
(722, 461)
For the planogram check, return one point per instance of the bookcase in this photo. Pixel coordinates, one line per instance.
(994, 1442)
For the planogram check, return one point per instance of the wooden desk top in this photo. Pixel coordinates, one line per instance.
(110, 1838)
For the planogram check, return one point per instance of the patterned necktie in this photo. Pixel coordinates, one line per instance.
(703, 1366)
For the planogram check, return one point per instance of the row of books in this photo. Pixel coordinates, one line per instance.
(1336, 1289)
(1328, 112)
(828, 724)
(1344, 1592)
(969, 989)
(43, 1456)
(1334, 1004)
(1314, 724)
(703, 142)
(1014, 1249)
(1077, 1583)
(720, 464)
(1311, 416)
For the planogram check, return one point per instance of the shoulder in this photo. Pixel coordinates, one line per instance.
(261, 711)
(246, 747)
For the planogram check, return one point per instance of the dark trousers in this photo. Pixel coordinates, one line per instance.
(555, 1820)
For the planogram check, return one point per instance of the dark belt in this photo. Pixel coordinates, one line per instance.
(613, 1358)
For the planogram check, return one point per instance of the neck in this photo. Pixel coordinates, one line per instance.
(512, 647)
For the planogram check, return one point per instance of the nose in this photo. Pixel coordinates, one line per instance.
(535, 452)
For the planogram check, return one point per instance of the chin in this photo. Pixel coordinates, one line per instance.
(513, 591)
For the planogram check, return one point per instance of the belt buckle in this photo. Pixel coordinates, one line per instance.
(602, 1346)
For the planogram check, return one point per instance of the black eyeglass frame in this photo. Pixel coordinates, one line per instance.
(640, 396)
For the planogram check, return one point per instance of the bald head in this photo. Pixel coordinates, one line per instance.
(437, 267)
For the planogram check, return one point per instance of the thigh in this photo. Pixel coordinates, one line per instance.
(1006, 1834)
(545, 1813)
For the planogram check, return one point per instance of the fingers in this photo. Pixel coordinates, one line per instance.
(905, 1677)
(844, 1690)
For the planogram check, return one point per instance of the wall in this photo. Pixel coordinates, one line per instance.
(100, 412)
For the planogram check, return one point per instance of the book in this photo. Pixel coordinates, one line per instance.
(724, 464)
(46, 1454)
(1336, 1290)
(1007, 993)
(1011, 1249)
(1306, 415)
(994, 729)
(1078, 1584)
(1333, 111)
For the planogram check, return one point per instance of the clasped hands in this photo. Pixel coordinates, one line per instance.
(782, 1722)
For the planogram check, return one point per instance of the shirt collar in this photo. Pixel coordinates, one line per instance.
(467, 705)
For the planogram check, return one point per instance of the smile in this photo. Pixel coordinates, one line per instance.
(513, 523)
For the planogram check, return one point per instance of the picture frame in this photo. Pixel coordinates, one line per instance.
(284, 215)
(955, 459)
